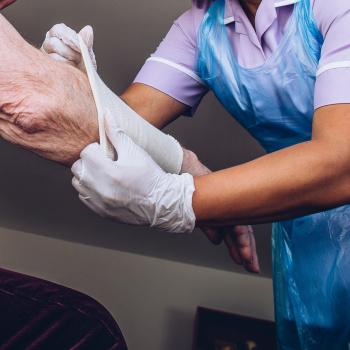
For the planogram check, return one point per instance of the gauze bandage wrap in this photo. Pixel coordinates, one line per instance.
(133, 189)
(164, 149)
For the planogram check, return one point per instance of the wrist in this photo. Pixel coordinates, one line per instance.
(192, 165)
(174, 211)
(83, 115)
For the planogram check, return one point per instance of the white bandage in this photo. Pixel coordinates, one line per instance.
(164, 149)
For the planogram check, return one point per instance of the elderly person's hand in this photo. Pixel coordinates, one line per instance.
(45, 106)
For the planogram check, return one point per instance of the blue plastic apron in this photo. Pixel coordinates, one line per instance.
(274, 102)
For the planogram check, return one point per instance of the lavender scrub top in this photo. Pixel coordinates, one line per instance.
(172, 68)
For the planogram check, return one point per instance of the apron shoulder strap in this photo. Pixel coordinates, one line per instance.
(310, 33)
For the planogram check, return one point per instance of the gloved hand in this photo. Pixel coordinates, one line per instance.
(62, 44)
(133, 189)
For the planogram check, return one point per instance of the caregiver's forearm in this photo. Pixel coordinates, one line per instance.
(156, 107)
(302, 179)
(285, 184)
(160, 109)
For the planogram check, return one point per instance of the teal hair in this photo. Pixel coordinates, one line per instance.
(215, 49)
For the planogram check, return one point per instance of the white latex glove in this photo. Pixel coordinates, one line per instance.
(62, 44)
(133, 189)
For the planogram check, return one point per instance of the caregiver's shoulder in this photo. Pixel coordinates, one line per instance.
(190, 21)
(327, 13)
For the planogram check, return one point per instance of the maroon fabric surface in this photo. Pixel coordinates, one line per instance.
(39, 315)
(5, 3)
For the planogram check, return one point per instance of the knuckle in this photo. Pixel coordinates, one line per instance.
(90, 149)
(53, 42)
(57, 28)
(243, 243)
(241, 230)
(49, 44)
(28, 123)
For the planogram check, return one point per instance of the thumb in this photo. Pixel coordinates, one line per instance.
(87, 34)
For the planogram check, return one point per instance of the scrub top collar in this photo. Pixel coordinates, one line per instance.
(265, 17)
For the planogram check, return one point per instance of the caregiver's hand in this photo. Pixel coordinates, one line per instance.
(62, 44)
(133, 189)
(240, 240)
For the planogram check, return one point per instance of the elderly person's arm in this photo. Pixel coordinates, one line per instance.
(45, 106)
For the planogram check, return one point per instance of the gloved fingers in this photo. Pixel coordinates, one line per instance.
(214, 235)
(92, 206)
(98, 169)
(66, 34)
(87, 34)
(80, 188)
(57, 46)
(91, 158)
(86, 197)
(56, 57)
(78, 170)
(93, 155)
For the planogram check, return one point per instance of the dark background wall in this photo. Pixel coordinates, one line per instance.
(36, 195)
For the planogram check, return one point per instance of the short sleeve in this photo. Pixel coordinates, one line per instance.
(333, 76)
(172, 67)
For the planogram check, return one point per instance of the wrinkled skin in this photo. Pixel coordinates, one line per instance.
(45, 106)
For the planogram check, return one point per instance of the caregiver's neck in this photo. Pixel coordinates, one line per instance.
(250, 7)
